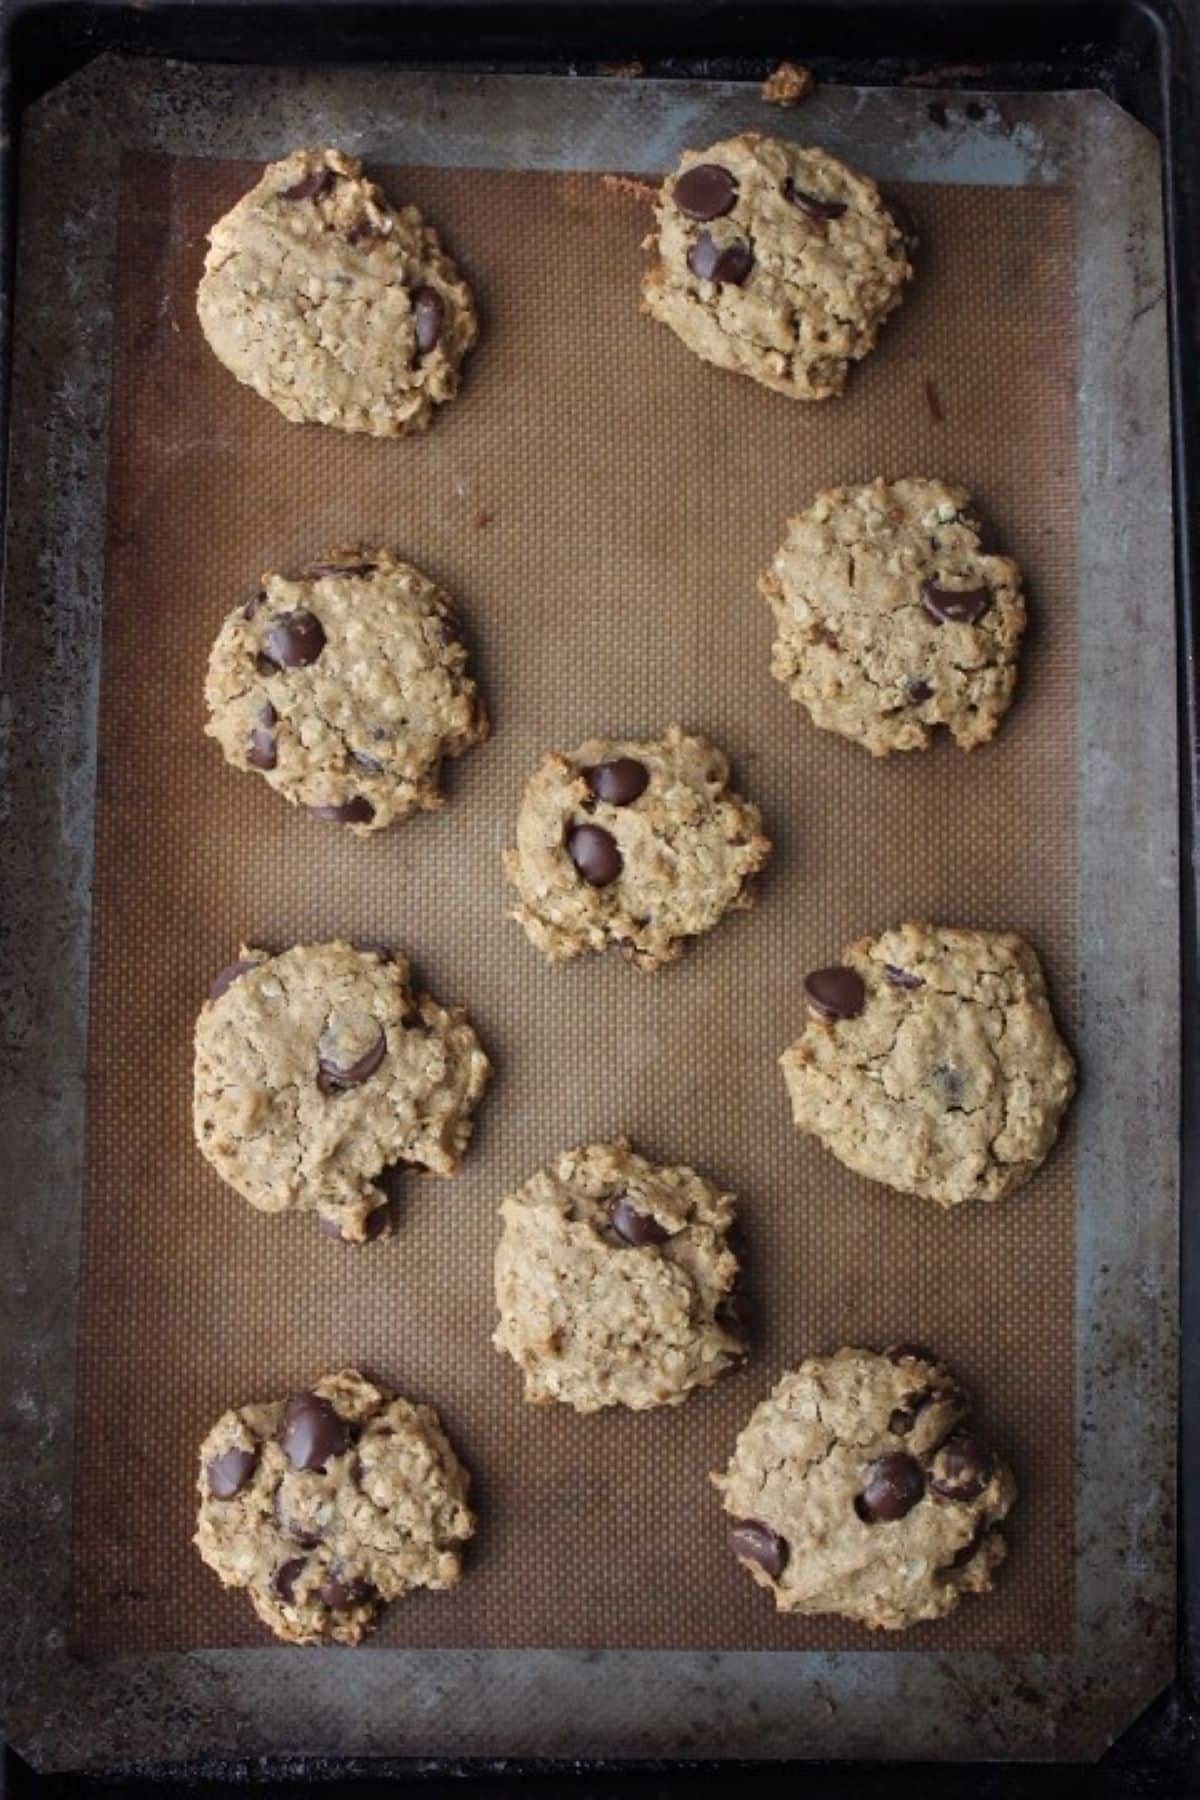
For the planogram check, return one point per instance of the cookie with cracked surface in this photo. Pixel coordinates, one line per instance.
(335, 306)
(346, 688)
(892, 620)
(615, 1281)
(330, 1504)
(317, 1069)
(930, 1062)
(636, 844)
(775, 261)
(858, 1488)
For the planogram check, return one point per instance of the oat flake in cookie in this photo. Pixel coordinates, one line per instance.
(327, 1505)
(636, 844)
(615, 1281)
(345, 688)
(891, 619)
(317, 1069)
(930, 1061)
(775, 261)
(858, 1487)
(332, 304)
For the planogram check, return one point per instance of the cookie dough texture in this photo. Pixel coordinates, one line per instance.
(789, 280)
(615, 1281)
(328, 1505)
(318, 1068)
(891, 620)
(332, 304)
(858, 1489)
(686, 848)
(345, 688)
(951, 1080)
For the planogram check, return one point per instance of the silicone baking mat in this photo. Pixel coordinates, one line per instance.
(600, 503)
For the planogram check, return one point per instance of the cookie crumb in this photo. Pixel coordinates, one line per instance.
(631, 70)
(944, 73)
(632, 187)
(788, 84)
(483, 518)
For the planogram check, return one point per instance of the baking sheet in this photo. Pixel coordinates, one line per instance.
(807, 812)
(600, 505)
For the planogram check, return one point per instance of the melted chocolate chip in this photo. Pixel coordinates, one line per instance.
(895, 1483)
(962, 1468)
(283, 1581)
(429, 313)
(969, 1550)
(837, 993)
(955, 606)
(729, 263)
(294, 640)
(752, 1541)
(312, 1432)
(374, 1224)
(260, 748)
(594, 853)
(706, 191)
(370, 765)
(902, 978)
(919, 692)
(340, 1591)
(228, 975)
(229, 1472)
(309, 186)
(820, 211)
(254, 603)
(619, 782)
(633, 1226)
(348, 1075)
(358, 811)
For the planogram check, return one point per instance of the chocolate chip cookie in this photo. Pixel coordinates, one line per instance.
(775, 261)
(930, 1062)
(332, 304)
(858, 1488)
(329, 1504)
(636, 844)
(616, 1283)
(892, 619)
(318, 1068)
(345, 687)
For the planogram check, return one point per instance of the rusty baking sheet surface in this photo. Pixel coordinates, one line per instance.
(600, 503)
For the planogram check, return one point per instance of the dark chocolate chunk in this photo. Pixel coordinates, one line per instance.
(962, 1468)
(309, 186)
(429, 313)
(254, 603)
(902, 978)
(594, 853)
(919, 692)
(229, 1472)
(227, 976)
(312, 1432)
(755, 1542)
(619, 782)
(955, 606)
(634, 1226)
(294, 640)
(260, 748)
(348, 1075)
(357, 811)
(729, 263)
(895, 1483)
(340, 1591)
(811, 205)
(706, 191)
(371, 765)
(837, 993)
(283, 1581)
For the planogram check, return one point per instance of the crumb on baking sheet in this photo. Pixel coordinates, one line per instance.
(788, 84)
(631, 70)
(933, 401)
(632, 187)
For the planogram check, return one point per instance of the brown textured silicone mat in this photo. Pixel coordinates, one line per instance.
(600, 503)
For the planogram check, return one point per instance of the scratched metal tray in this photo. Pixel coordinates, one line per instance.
(64, 1712)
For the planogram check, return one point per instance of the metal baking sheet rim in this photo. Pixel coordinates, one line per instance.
(67, 1714)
